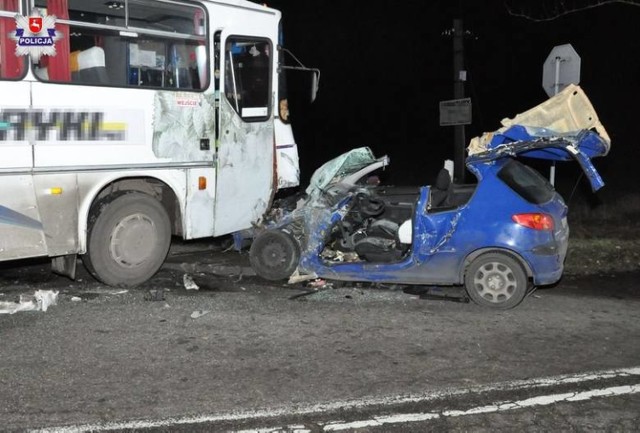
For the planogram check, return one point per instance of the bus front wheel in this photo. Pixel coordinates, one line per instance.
(129, 238)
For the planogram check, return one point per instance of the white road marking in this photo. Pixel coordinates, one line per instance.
(351, 404)
(543, 400)
(289, 428)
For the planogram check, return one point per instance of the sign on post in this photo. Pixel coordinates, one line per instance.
(455, 112)
(561, 68)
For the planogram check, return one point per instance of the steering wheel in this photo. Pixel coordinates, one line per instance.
(369, 206)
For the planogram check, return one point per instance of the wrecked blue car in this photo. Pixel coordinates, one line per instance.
(497, 238)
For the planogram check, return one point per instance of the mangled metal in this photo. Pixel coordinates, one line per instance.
(563, 128)
(344, 170)
(564, 114)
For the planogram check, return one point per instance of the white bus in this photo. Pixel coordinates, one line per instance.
(153, 118)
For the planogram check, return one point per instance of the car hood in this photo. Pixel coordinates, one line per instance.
(565, 127)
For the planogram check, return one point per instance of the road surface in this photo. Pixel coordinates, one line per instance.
(239, 354)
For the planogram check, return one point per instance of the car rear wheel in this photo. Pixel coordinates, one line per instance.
(496, 280)
(274, 255)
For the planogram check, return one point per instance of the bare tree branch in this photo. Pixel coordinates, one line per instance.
(548, 10)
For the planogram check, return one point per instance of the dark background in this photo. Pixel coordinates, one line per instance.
(387, 64)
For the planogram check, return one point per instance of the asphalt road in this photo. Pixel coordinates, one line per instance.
(239, 354)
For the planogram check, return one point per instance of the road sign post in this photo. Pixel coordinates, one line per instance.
(561, 68)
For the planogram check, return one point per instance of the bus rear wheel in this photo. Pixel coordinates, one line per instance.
(129, 235)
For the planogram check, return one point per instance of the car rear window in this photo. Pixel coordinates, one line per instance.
(526, 181)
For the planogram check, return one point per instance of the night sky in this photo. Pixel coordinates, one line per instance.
(386, 65)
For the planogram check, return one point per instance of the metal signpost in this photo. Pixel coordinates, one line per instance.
(459, 78)
(561, 68)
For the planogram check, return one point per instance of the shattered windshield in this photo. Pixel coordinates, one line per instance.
(340, 167)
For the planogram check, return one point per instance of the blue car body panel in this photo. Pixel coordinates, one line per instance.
(442, 241)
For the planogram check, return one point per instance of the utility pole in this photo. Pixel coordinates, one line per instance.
(459, 77)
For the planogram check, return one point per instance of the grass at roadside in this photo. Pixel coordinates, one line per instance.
(600, 256)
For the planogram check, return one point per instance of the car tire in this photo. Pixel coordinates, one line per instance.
(496, 280)
(129, 238)
(274, 255)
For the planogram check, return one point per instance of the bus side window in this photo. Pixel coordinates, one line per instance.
(247, 80)
(140, 43)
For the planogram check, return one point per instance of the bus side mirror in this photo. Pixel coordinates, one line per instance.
(315, 83)
(315, 77)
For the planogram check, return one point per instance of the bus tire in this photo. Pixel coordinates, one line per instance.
(129, 235)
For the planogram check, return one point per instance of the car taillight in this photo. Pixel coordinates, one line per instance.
(536, 221)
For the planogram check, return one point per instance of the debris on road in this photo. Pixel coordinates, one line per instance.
(319, 283)
(222, 270)
(303, 294)
(39, 301)
(155, 295)
(189, 284)
(316, 285)
(121, 292)
(198, 314)
(435, 293)
(297, 277)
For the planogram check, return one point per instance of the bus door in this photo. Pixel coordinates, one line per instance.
(245, 157)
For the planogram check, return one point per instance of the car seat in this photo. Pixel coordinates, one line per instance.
(382, 243)
(441, 191)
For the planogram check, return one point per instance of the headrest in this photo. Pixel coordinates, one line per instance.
(444, 180)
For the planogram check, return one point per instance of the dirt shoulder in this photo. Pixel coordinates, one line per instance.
(600, 247)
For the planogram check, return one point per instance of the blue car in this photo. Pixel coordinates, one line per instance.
(497, 238)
